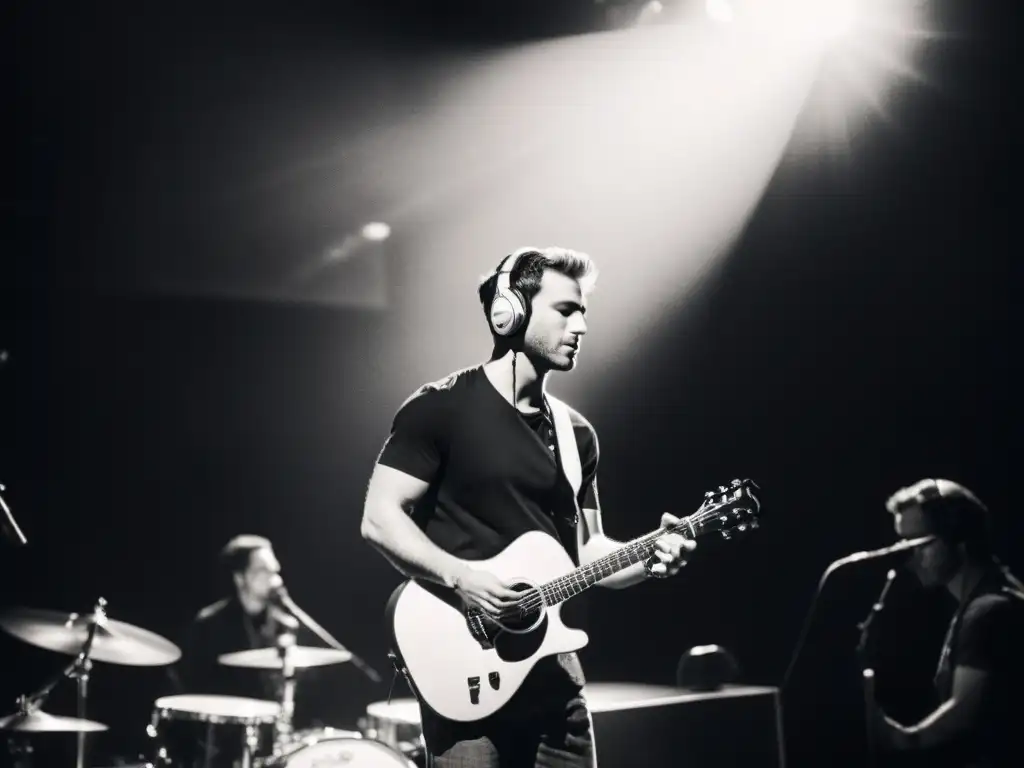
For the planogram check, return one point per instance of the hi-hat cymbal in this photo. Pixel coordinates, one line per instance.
(301, 656)
(115, 642)
(40, 722)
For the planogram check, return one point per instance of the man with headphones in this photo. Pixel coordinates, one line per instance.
(479, 458)
(981, 665)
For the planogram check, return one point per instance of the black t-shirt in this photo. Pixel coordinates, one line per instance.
(494, 472)
(989, 635)
(225, 627)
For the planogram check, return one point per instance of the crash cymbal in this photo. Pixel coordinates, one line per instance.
(40, 722)
(301, 657)
(115, 642)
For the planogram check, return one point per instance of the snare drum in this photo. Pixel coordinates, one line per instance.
(397, 724)
(344, 752)
(200, 731)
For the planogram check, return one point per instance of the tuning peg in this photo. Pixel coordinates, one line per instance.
(754, 523)
(726, 535)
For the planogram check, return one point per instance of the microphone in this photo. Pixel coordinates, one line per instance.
(856, 557)
(899, 546)
(280, 596)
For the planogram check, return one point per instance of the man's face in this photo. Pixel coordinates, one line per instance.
(262, 575)
(557, 322)
(934, 563)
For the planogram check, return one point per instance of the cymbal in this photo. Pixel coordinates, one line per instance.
(41, 722)
(302, 656)
(115, 642)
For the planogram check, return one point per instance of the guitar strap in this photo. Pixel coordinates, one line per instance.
(567, 448)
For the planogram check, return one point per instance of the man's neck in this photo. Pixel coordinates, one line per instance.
(250, 604)
(966, 580)
(529, 382)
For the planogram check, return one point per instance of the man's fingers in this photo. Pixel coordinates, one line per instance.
(505, 593)
(487, 606)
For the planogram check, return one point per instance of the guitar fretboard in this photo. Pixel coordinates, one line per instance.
(588, 575)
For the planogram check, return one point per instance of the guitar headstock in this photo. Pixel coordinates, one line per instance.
(731, 509)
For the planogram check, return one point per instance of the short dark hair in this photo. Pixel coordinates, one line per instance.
(525, 277)
(955, 512)
(236, 553)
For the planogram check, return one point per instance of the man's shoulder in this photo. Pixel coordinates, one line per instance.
(212, 611)
(441, 388)
(1001, 606)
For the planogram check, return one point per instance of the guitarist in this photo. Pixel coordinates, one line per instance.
(472, 463)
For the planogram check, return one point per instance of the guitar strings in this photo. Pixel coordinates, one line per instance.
(534, 598)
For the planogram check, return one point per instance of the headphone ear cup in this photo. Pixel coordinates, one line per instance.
(520, 308)
(507, 313)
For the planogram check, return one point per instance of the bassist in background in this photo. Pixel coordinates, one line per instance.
(472, 463)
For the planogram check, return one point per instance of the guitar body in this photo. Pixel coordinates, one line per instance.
(465, 665)
(460, 663)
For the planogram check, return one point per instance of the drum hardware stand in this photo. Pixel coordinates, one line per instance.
(78, 670)
(283, 725)
(868, 673)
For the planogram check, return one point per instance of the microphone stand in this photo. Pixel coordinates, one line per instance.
(289, 605)
(7, 522)
(867, 671)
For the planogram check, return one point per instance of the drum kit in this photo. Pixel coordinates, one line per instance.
(203, 731)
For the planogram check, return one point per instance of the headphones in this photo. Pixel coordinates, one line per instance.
(509, 311)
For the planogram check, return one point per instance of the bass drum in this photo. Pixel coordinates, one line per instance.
(345, 752)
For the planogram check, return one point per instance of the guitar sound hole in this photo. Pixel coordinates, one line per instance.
(523, 628)
(518, 632)
(526, 613)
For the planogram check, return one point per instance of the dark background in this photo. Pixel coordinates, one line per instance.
(859, 338)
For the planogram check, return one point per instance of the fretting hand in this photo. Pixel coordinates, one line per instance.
(671, 551)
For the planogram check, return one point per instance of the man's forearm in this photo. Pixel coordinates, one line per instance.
(396, 536)
(943, 726)
(598, 546)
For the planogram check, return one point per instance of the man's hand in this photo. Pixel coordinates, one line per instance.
(484, 590)
(890, 735)
(670, 551)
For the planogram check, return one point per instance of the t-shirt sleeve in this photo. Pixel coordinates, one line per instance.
(417, 443)
(991, 632)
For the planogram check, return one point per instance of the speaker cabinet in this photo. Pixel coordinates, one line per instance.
(639, 725)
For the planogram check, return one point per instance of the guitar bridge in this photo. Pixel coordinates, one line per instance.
(478, 628)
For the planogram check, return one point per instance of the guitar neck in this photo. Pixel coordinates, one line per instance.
(631, 553)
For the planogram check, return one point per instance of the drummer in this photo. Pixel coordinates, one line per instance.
(246, 619)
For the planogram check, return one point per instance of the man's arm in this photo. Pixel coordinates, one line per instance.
(594, 544)
(952, 720)
(388, 526)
